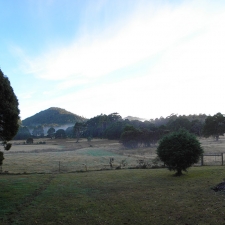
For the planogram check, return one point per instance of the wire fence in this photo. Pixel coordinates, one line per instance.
(212, 159)
(81, 164)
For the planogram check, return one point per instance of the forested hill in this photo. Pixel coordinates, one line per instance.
(52, 116)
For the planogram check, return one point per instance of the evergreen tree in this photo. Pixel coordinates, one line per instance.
(78, 130)
(179, 150)
(214, 126)
(51, 132)
(9, 113)
(22, 134)
(61, 134)
(131, 136)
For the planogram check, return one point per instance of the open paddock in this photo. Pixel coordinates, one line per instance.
(69, 156)
(66, 155)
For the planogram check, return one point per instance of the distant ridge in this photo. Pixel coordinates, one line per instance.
(52, 116)
(134, 118)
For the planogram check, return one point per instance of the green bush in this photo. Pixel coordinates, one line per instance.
(179, 150)
(130, 137)
(30, 141)
(1, 158)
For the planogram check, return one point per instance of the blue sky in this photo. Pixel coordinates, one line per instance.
(136, 57)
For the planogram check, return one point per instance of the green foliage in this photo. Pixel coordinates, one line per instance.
(60, 134)
(22, 134)
(133, 137)
(130, 136)
(51, 132)
(192, 123)
(69, 132)
(178, 123)
(114, 131)
(9, 112)
(214, 126)
(38, 131)
(151, 131)
(30, 141)
(7, 146)
(78, 130)
(197, 127)
(165, 121)
(1, 158)
(98, 126)
(179, 150)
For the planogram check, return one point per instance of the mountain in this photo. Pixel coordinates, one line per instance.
(134, 118)
(52, 117)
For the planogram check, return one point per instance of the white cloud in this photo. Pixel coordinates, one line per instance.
(142, 36)
(70, 82)
(27, 95)
(190, 40)
(197, 59)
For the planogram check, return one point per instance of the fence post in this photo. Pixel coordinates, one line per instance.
(222, 158)
(59, 166)
(202, 160)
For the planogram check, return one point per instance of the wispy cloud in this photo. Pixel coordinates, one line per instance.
(189, 39)
(142, 36)
(26, 95)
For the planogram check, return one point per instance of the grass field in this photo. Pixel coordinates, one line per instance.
(68, 156)
(135, 196)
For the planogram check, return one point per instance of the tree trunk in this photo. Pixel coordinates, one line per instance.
(78, 134)
(179, 172)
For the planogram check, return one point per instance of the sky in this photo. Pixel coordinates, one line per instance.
(142, 58)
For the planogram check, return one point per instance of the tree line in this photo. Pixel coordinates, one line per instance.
(132, 133)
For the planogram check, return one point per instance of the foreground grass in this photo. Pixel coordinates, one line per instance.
(114, 197)
(17, 191)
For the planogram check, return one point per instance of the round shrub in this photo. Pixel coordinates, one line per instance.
(179, 150)
(30, 141)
